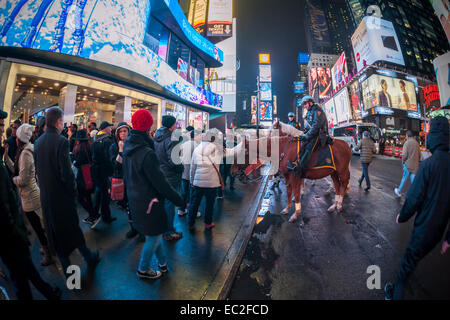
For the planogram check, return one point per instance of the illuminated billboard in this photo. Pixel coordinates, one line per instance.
(318, 22)
(197, 14)
(106, 32)
(342, 105)
(382, 91)
(299, 87)
(375, 40)
(266, 110)
(265, 73)
(329, 109)
(320, 83)
(355, 100)
(220, 18)
(264, 58)
(265, 91)
(339, 71)
(442, 68)
(442, 8)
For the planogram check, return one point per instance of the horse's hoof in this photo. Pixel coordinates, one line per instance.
(285, 211)
(332, 208)
(293, 218)
(339, 209)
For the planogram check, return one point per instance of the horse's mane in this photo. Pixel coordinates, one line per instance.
(290, 130)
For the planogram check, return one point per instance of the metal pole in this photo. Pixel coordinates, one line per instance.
(258, 107)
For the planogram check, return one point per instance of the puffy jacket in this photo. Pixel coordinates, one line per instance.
(187, 151)
(145, 182)
(101, 164)
(367, 148)
(411, 155)
(163, 148)
(316, 125)
(202, 172)
(26, 180)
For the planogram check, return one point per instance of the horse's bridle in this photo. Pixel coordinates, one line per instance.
(285, 148)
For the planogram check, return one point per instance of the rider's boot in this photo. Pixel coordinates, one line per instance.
(301, 167)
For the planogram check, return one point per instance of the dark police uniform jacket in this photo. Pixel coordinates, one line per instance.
(316, 125)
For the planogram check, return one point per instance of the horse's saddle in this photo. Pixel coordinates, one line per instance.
(322, 157)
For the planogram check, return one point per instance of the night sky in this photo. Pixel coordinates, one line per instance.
(275, 27)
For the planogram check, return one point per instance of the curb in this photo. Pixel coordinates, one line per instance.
(220, 286)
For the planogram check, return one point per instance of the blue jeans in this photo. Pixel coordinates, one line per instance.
(151, 246)
(365, 174)
(170, 208)
(406, 173)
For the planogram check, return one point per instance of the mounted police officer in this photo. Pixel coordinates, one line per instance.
(316, 129)
(292, 121)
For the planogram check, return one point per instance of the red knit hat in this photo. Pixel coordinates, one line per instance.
(142, 120)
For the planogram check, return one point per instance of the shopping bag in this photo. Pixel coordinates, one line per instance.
(117, 189)
(87, 176)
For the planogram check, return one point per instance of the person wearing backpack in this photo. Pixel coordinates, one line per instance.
(101, 170)
(83, 162)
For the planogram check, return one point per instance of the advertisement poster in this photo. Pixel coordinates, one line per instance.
(266, 111)
(102, 31)
(342, 104)
(254, 104)
(182, 68)
(299, 87)
(382, 91)
(339, 71)
(375, 39)
(355, 100)
(320, 83)
(265, 73)
(442, 8)
(220, 18)
(318, 22)
(442, 69)
(265, 91)
(197, 14)
(329, 109)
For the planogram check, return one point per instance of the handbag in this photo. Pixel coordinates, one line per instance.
(87, 177)
(117, 189)
(222, 185)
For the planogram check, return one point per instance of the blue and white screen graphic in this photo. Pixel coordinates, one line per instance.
(266, 91)
(108, 31)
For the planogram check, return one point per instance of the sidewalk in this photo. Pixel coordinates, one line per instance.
(201, 265)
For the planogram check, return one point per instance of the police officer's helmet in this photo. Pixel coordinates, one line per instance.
(306, 99)
(291, 114)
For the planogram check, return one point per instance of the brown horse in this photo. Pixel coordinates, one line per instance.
(288, 150)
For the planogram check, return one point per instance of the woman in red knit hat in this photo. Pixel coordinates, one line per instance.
(147, 189)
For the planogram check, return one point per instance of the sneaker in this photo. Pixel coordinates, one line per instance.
(149, 274)
(173, 236)
(163, 268)
(388, 291)
(95, 221)
(398, 194)
(182, 213)
(220, 196)
(209, 226)
(199, 214)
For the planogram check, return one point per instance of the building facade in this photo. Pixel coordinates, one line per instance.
(99, 61)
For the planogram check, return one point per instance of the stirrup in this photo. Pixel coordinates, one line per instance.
(291, 166)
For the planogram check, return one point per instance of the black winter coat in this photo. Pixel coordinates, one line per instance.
(117, 166)
(316, 124)
(101, 164)
(145, 181)
(13, 235)
(429, 197)
(58, 192)
(79, 160)
(163, 147)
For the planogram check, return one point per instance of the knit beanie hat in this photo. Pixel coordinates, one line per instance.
(168, 121)
(142, 120)
(25, 132)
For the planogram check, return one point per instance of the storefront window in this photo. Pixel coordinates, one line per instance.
(178, 111)
(179, 56)
(157, 37)
(196, 119)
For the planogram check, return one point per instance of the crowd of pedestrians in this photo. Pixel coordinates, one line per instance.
(47, 169)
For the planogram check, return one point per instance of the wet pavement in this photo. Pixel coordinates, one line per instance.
(199, 263)
(328, 257)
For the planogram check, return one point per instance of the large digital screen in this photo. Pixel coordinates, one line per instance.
(442, 68)
(382, 91)
(265, 91)
(101, 30)
(330, 111)
(339, 71)
(220, 18)
(265, 73)
(342, 104)
(442, 8)
(299, 87)
(320, 83)
(318, 22)
(266, 110)
(355, 100)
(375, 40)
